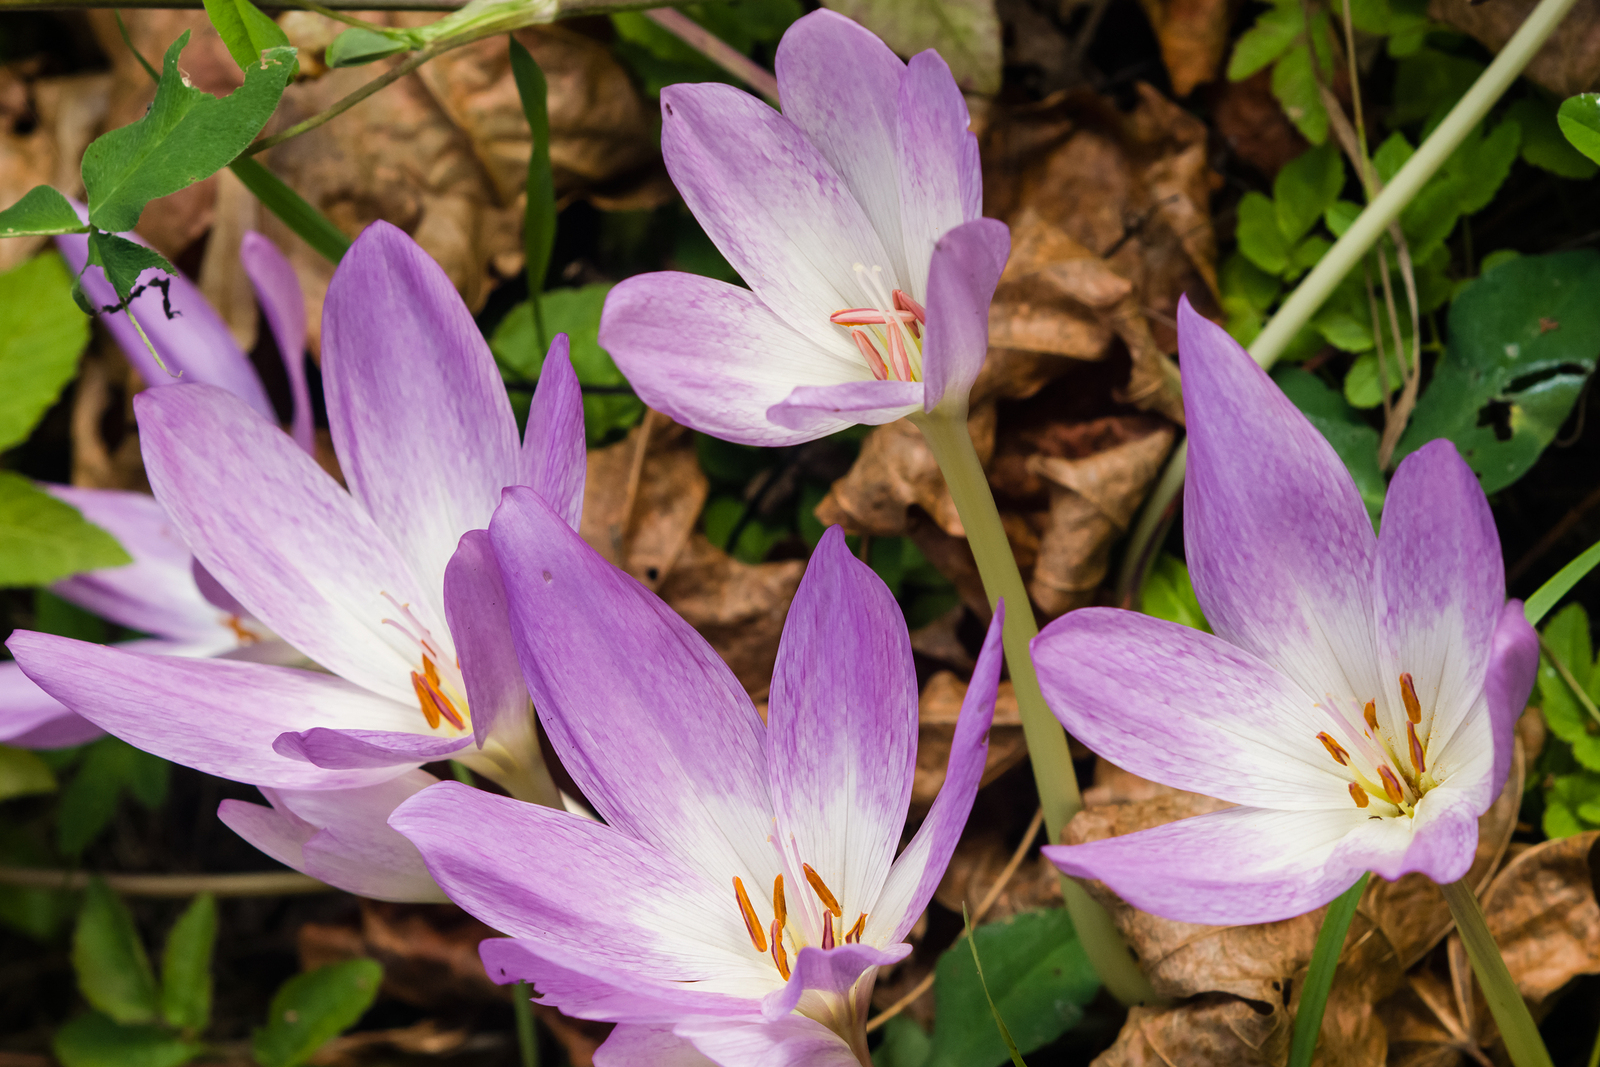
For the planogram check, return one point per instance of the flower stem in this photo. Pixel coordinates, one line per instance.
(1510, 1011)
(527, 1036)
(946, 434)
(1319, 979)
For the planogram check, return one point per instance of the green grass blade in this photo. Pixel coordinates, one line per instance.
(1319, 981)
(313, 226)
(1005, 1032)
(1551, 592)
(539, 219)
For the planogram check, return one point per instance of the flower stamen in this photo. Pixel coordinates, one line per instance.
(1408, 693)
(435, 705)
(869, 352)
(779, 956)
(780, 906)
(1391, 785)
(1370, 714)
(1335, 749)
(854, 935)
(1417, 759)
(752, 925)
(823, 893)
(827, 932)
(1359, 795)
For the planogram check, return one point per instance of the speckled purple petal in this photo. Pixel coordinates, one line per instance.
(284, 306)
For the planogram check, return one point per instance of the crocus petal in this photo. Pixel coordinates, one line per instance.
(941, 182)
(340, 750)
(584, 990)
(156, 593)
(840, 85)
(194, 342)
(32, 718)
(584, 888)
(1439, 590)
(1513, 665)
(1439, 841)
(278, 292)
(842, 726)
(281, 535)
(833, 971)
(714, 357)
(818, 410)
(920, 867)
(356, 849)
(1231, 867)
(277, 833)
(554, 457)
(417, 410)
(793, 1041)
(475, 605)
(1187, 709)
(966, 267)
(614, 672)
(648, 1046)
(213, 592)
(216, 716)
(1278, 542)
(773, 206)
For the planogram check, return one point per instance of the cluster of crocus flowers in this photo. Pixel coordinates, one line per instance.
(743, 890)
(1358, 699)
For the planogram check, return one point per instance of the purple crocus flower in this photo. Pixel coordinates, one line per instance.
(854, 218)
(157, 592)
(362, 582)
(736, 902)
(1358, 700)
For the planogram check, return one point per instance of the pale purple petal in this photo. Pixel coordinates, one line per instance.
(1440, 841)
(1439, 592)
(278, 292)
(475, 605)
(356, 849)
(32, 718)
(920, 867)
(554, 456)
(961, 283)
(714, 357)
(1228, 868)
(648, 1046)
(339, 750)
(657, 733)
(417, 410)
(213, 592)
(277, 833)
(793, 1041)
(281, 536)
(779, 211)
(583, 889)
(1189, 710)
(194, 343)
(216, 716)
(842, 728)
(941, 185)
(585, 990)
(833, 971)
(1513, 665)
(1277, 540)
(840, 85)
(818, 410)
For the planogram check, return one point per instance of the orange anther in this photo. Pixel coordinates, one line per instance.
(855, 931)
(240, 632)
(1408, 693)
(1335, 749)
(780, 907)
(1391, 784)
(1359, 795)
(897, 354)
(430, 710)
(1370, 713)
(903, 302)
(434, 703)
(779, 956)
(1416, 749)
(869, 352)
(752, 925)
(823, 893)
(430, 672)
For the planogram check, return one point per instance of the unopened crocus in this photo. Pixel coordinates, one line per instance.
(1358, 700)
(740, 895)
(853, 216)
(367, 583)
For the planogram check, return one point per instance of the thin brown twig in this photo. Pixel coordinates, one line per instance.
(989, 898)
(630, 497)
(255, 884)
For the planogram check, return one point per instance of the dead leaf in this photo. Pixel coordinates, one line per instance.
(966, 33)
(422, 1039)
(1542, 911)
(1569, 61)
(940, 640)
(639, 508)
(61, 116)
(1212, 1029)
(938, 708)
(105, 442)
(222, 279)
(1250, 122)
(1193, 36)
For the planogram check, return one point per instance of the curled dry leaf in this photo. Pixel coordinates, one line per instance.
(60, 116)
(1251, 123)
(938, 708)
(642, 497)
(1212, 1029)
(1193, 36)
(1543, 913)
(1568, 63)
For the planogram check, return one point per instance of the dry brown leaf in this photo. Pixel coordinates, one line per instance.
(356, 1050)
(61, 115)
(1211, 1029)
(222, 279)
(940, 640)
(1568, 63)
(1193, 35)
(1250, 122)
(977, 864)
(938, 708)
(639, 509)
(105, 442)
(1542, 911)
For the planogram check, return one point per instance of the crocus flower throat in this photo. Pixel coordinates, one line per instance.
(888, 332)
(1390, 763)
(818, 910)
(441, 696)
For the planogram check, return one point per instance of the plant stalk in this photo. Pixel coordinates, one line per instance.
(946, 434)
(1510, 1011)
(1319, 978)
(527, 1034)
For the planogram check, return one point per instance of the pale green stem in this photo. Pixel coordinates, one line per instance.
(527, 1035)
(1510, 1011)
(947, 436)
(1348, 250)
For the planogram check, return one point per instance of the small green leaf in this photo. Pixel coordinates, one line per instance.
(92, 1040)
(1543, 143)
(1392, 154)
(1579, 119)
(905, 1044)
(1567, 801)
(43, 540)
(89, 799)
(1168, 594)
(186, 966)
(965, 33)
(1268, 39)
(1361, 386)
(1428, 83)
(1295, 85)
(245, 30)
(1306, 187)
(1354, 440)
(113, 971)
(41, 212)
(539, 215)
(311, 225)
(1343, 330)
(1259, 235)
(310, 1009)
(22, 773)
(1339, 217)
(359, 46)
(185, 137)
(123, 261)
(41, 336)
(1040, 979)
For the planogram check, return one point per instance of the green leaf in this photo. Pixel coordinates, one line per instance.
(123, 261)
(1306, 254)
(92, 1040)
(42, 332)
(1428, 83)
(1169, 594)
(1268, 39)
(539, 214)
(311, 225)
(43, 540)
(1392, 154)
(1579, 119)
(1295, 85)
(1259, 235)
(1543, 143)
(965, 33)
(359, 46)
(1566, 801)
(1319, 977)
(311, 1008)
(1344, 330)
(185, 137)
(1339, 217)
(1523, 339)
(245, 30)
(22, 773)
(186, 966)
(1560, 584)
(1040, 979)
(1354, 440)
(905, 1044)
(113, 971)
(41, 212)
(1307, 186)
(89, 799)
(1566, 637)
(1361, 386)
